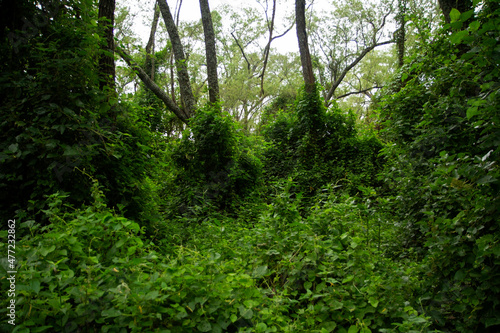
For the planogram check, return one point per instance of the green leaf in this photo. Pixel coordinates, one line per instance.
(204, 326)
(35, 286)
(234, 318)
(46, 250)
(307, 285)
(373, 301)
(152, 295)
(348, 279)
(454, 15)
(474, 26)
(259, 271)
(131, 250)
(457, 37)
(120, 243)
(13, 147)
(111, 313)
(353, 329)
(472, 111)
(70, 151)
(246, 313)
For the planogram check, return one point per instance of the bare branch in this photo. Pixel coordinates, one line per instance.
(364, 91)
(335, 85)
(242, 51)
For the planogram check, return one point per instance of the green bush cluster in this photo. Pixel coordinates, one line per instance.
(317, 147)
(212, 165)
(57, 127)
(442, 180)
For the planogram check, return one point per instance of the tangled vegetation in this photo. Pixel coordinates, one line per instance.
(310, 224)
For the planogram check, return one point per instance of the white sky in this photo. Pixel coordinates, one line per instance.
(190, 11)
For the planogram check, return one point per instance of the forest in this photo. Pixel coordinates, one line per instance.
(205, 180)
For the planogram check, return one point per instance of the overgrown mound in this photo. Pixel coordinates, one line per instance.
(317, 147)
(212, 166)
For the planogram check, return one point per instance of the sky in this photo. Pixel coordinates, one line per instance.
(190, 11)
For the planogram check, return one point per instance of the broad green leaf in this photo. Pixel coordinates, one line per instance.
(234, 318)
(259, 271)
(13, 147)
(131, 250)
(152, 295)
(111, 313)
(474, 26)
(454, 15)
(204, 326)
(348, 279)
(35, 286)
(46, 250)
(373, 301)
(353, 329)
(472, 111)
(246, 313)
(457, 37)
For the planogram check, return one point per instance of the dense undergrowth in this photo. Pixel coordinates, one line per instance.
(315, 226)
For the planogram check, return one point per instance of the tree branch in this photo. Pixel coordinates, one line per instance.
(242, 51)
(150, 84)
(337, 82)
(364, 91)
(180, 58)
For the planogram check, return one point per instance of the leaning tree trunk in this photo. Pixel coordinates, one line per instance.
(305, 56)
(180, 60)
(211, 54)
(106, 17)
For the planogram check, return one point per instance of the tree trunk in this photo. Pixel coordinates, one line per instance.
(447, 5)
(180, 59)
(150, 65)
(153, 86)
(211, 54)
(270, 27)
(305, 56)
(106, 17)
(401, 33)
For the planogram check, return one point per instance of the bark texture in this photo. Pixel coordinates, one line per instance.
(150, 61)
(106, 17)
(305, 55)
(210, 51)
(180, 59)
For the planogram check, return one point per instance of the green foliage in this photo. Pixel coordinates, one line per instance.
(57, 127)
(90, 270)
(212, 165)
(443, 171)
(318, 147)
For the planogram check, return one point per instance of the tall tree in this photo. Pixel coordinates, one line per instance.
(305, 56)
(150, 61)
(401, 32)
(210, 51)
(267, 50)
(187, 96)
(106, 17)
